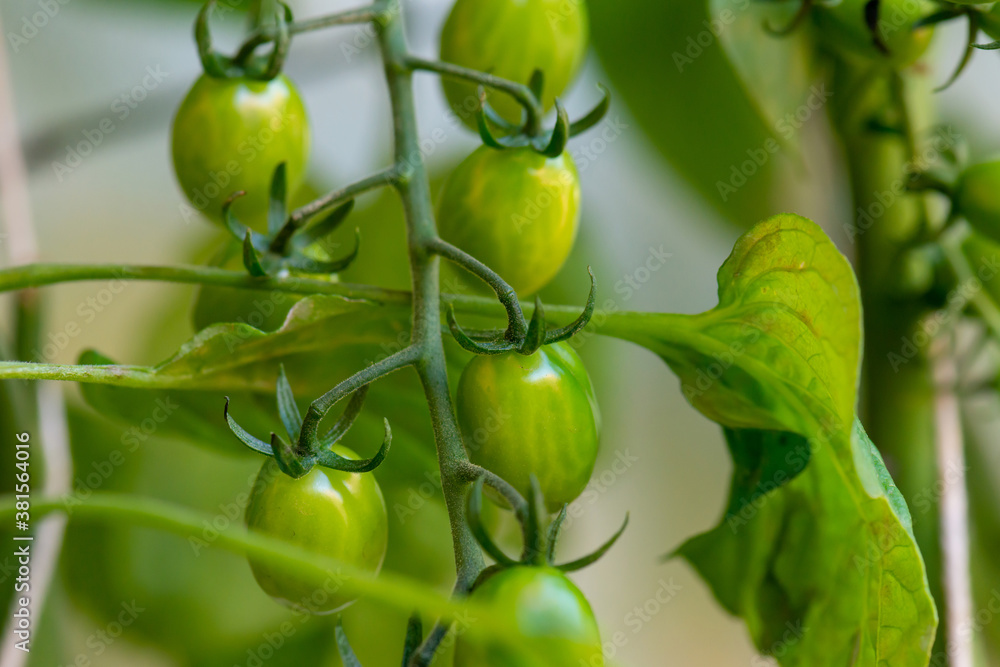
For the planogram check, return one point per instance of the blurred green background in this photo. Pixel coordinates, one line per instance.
(649, 177)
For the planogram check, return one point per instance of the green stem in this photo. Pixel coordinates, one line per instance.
(40, 275)
(384, 178)
(390, 589)
(267, 34)
(520, 92)
(414, 189)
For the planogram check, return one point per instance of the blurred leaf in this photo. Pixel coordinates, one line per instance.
(818, 559)
(665, 61)
(775, 70)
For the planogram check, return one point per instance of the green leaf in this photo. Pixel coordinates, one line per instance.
(781, 351)
(324, 340)
(818, 559)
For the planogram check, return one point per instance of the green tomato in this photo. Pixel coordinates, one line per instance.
(523, 415)
(555, 620)
(514, 210)
(336, 514)
(846, 30)
(511, 39)
(983, 256)
(977, 196)
(230, 135)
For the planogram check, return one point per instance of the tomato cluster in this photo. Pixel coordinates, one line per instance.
(529, 419)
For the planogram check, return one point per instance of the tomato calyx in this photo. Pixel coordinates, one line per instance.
(299, 454)
(286, 245)
(518, 337)
(246, 62)
(551, 143)
(540, 531)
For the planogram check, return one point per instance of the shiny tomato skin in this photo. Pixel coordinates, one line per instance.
(335, 514)
(516, 211)
(523, 415)
(230, 135)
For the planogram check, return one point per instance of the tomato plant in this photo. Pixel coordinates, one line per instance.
(230, 135)
(532, 415)
(553, 39)
(483, 394)
(326, 511)
(516, 210)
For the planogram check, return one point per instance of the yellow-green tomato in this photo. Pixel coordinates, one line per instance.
(977, 197)
(335, 514)
(230, 135)
(844, 26)
(511, 39)
(555, 622)
(532, 415)
(514, 210)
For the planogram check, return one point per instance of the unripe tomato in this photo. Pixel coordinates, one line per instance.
(556, 622)
(332, 513)
(523, 415)
(514, 210)
(977, 196)
(983, 256)
(844, 27)
(230, 135)
(511, 39)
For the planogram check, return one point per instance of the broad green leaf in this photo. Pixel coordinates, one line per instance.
(666, 64)
(776, 71)
(781, 351)
(816, 551)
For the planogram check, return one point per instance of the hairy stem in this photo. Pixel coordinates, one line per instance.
(413, 185)
(520, 92)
